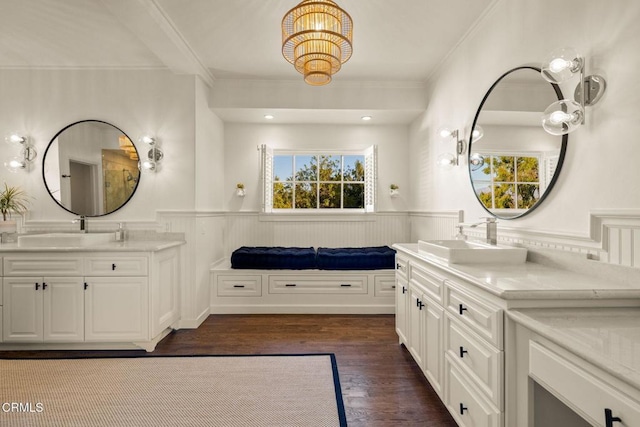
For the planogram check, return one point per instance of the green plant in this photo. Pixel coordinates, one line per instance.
(12, 199)
(393, 187)
(240, 185)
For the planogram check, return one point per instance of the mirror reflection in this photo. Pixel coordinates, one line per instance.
(514, 164)
(90, 168)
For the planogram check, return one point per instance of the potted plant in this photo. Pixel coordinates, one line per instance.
(394, 190)
(240, 189)
(12, 200)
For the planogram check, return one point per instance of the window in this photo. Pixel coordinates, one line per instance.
(508, 181)
(318, 181)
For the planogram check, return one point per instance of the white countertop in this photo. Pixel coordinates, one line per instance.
(113, 246)
(607, 337)
(532, 280)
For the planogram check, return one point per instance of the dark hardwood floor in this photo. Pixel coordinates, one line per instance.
(381, 384)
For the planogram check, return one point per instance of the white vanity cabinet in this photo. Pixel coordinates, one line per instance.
(90, 298)
(456, 337)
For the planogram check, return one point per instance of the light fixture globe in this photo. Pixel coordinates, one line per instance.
(317, 39)
(561, 65)
(562, 117)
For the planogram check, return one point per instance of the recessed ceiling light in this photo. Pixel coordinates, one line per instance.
(268, 116)
(366, 118)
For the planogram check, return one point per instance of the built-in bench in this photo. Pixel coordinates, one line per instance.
(302, 280)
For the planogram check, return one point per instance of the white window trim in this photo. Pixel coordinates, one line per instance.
(370, 185)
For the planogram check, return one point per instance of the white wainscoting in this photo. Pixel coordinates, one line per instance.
(254, 229)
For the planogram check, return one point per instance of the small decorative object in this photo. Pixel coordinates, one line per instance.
(12, 200)
(240, 192)
(394, 190)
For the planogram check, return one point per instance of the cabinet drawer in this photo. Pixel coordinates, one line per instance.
(43, 266)
(432, 283)
(239, 286)
(580, 388)
(483, 318)
(318, 285)
(116, 266)
(477, 359)
(402, 267)
(465, 403)
(384, 286)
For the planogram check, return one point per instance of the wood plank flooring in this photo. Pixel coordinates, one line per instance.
(381, 384)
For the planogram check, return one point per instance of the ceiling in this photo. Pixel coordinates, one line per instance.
(394, 41)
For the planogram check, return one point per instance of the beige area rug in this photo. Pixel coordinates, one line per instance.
(225, 391)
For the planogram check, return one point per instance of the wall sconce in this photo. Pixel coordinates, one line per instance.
(476, 161)
(564, 116)
(154, 155)
(448, 160)
(27, 153)
(240, 191)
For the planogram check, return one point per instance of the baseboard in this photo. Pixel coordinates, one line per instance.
(302, 309)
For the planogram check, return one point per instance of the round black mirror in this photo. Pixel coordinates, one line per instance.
(513, 162)
(90, 168)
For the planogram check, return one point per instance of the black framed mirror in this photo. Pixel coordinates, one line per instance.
(90, 168)
(514, 164)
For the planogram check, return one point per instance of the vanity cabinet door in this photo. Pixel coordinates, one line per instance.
(416, 325)
(116, 309)
(402, 309)
(22, 311)
(63, 309)
(433, 345)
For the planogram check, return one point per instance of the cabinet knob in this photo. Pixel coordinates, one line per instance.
(420, 305)
(44, 286)
(404, 290)
(609, 419)
(463, 351)
(113, 267)
(85, 286)
(463, 408)
(398, 266)
(461, 309)
(37, 286)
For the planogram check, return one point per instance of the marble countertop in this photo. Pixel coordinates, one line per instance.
(537, 281)
(113, 246)
(607, 337)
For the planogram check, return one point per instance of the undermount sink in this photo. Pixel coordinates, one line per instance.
(64, 239)
(464, 252)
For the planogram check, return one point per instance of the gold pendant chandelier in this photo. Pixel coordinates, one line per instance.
(317, 39)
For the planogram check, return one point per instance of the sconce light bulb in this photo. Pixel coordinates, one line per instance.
(558, 64)
(148, 165)
(15, 139)
(445, 133)
(477, 133)
(14, 164)
(147, 139)
(558, 117)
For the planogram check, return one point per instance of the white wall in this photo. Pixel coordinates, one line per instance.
(600, 168)
(242, 159)
(39, 103)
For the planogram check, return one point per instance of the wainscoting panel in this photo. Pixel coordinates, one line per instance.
(252, 229)
(434, 225)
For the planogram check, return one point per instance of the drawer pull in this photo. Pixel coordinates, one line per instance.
(346, 285)
(609, 419)
(463, 351)
(290, 285)
(37, 286)
(86, 285)
(461, 309)
(463, 408)
(113, 267)
(238, 286)
(398, 266)
(44, 286)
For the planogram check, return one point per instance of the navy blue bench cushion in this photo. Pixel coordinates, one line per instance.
(273, 257)
(368, 258)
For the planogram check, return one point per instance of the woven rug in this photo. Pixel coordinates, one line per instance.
(225, 391)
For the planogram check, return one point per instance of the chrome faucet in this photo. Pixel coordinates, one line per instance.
(84, 223)
(492, 229)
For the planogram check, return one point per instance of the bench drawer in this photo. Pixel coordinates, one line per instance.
(239, 286)
(325, 284)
